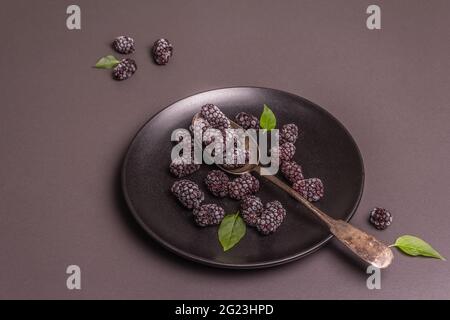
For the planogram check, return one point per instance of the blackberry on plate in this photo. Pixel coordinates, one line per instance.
(247, 121)
(123, 45)
(380, 218)
(271, 218)
(188, 193)
(284, 152)
(288, 133)
(239, 157)
(208, 215)
(311, 189)
(251, 208)
(217, 183)
(125, 69)
(181, 168)
(162, 51)
(215, 117)
(242, 186)
(292, 171)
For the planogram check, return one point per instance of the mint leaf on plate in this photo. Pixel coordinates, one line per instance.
(268, 120)
(107, 62)
(231, 230)
(414, 246)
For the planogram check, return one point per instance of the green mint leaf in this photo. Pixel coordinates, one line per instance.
(414, 246)
(107, 62)
(268, 120)
(231, 230)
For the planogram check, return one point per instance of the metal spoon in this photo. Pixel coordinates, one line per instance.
(362, 244)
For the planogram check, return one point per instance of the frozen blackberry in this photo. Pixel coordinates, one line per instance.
(162, 51)
(311, 189)
(242, 186)
(288, 133)
(188, 193)
(380, 218)
(292, 171)
(284, 152)
(239, 157)
(247, 121)
(217, 183)
(181, 168)
(251, 208)
(215, 117)
(208, 215)
(271, 218)
(125, 69)
(123, 45)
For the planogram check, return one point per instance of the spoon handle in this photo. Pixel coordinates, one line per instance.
(362, 244)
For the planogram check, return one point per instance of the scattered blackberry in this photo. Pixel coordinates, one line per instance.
(284, 152)
(215, 117)
(181, 168)
(243, 186)
(217, 183)
(125, 69)
(162, 51)
(123, 45)
(208, 215)
(247, 121)
(271, 218)
(289, 133)
(311, 189)
(251, 208)
(292, 171)
(188, 193)
(380, 218)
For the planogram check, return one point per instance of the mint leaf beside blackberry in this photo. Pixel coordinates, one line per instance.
(268, 120)
(231, 230)
(107, 62)
(414, 246)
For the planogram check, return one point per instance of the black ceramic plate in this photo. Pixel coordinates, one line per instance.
(326, 151)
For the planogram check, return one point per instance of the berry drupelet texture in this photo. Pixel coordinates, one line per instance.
(292, 171)
(311, 189)
(124, 45)
(271, 218)
(162, 51)
(289, 133)
(124, 70)
(215, 117)
(208, 215)
(251, 208)
(380, 218)
(217, 183)
(243, 186)
(188, 193)
(181, 167)
(247, 121)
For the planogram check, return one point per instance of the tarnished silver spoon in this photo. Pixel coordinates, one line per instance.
(362, 244)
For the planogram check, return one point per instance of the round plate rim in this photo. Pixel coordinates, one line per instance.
(209, 262)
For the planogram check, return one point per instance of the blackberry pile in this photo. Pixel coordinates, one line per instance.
(271, 218)
(188, 193)
(124, 70)
(243, 186)
(208, 215)
(162, 51)
(217, 183)
(380, 218)
(124, 45)
(284, 152)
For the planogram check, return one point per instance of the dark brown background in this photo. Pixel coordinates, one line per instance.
(65, 127)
